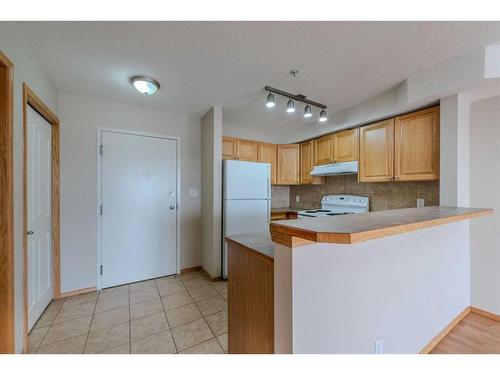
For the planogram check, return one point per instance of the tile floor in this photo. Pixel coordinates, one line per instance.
(173, 314)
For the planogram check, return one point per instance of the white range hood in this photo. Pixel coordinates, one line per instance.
(350, 167)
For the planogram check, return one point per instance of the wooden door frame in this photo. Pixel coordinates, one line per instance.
(7, 342)
(32, 100)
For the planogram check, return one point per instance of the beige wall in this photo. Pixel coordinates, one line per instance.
(211, 142)
(26, 69)
(485, 192)
(80, 116)
(383, 196)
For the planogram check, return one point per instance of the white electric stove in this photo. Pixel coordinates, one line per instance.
(333, 205)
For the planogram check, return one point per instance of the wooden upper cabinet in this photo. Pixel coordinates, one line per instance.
(416, 146)
(306, 165)
(323, 150)
(376, 152)
(345, 146)
(266, 153)
(288, 165)
(246, 150)
(229, 148)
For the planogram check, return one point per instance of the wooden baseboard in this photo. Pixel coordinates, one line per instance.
(485, 313)
(77, 292)
(191, 269)
(441, 335)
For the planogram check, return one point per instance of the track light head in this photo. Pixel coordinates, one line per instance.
(290, 106)
(322, 116)
(270, 101)
(307, 111)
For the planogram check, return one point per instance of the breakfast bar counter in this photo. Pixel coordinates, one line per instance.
(349, 229)
(387, 281)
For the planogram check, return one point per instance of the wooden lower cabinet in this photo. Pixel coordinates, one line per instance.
(376, 152)
(250, 301)
(416, 146)
(307, 164)
(288, 163)
(345, 146)
(266, 153)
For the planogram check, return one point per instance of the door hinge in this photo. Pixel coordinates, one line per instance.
(100, 269)
(100, 210)
(100, 149)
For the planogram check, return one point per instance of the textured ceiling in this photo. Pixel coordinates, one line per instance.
(200, 64)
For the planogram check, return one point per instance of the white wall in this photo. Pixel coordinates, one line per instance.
(80, 116)
(26, 69)
(211, 130)
(485, 192)
(404, 288)
(454, 151)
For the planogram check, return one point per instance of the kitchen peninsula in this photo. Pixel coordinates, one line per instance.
(386, 282)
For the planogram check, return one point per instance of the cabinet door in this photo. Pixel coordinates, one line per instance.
(266, 153)
(306, 165)
(416, 146)
(246, 150)
(228, 148)
(323, 150)
(376, 152)
(306, 162)
(345, 146)
(288, 164)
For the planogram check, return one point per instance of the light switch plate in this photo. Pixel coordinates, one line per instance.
(193, 192)
(420, 202)
(297, 198)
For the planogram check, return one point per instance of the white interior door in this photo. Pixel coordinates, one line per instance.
(40, 266)
(139, 207)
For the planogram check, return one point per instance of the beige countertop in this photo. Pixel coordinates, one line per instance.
(287, 209)
(348, 229)
(259, 242)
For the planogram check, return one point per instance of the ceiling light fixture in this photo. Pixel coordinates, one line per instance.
(322, 116)
(307, 111)
(290, 104)
(270, 101)
(145, 85)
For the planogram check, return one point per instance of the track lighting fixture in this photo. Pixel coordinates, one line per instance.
(270, 101)
(322, 116)
(307, 111)
(290, 104)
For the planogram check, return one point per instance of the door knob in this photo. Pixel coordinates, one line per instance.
(172, 207)
(30, 233)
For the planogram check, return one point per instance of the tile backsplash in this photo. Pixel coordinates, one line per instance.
(383, 195)
(280, 196)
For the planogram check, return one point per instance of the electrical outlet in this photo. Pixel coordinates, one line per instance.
(193, 192)
(420, 202)
(379, 346)
(297, 198)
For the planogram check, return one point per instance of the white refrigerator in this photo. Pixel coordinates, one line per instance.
(246, 200)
